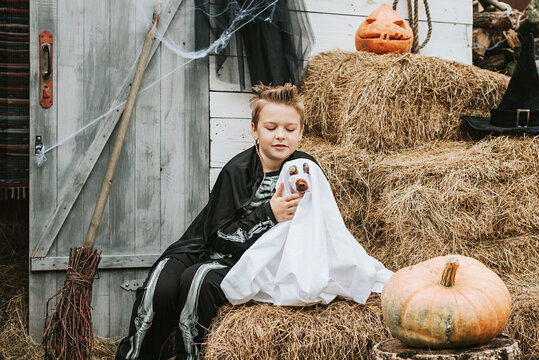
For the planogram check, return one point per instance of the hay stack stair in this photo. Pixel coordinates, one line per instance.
(411, 184)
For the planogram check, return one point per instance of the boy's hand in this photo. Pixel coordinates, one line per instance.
(284, 207)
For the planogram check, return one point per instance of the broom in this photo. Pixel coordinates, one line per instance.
(68, 330)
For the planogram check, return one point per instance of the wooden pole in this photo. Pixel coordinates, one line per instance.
(122, 131)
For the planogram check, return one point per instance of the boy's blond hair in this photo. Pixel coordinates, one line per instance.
(286, 94)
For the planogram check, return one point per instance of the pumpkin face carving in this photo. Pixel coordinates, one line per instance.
(431, 304)
(384, 31)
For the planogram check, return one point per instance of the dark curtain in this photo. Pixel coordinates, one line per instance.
(14, 98)
(273, 38)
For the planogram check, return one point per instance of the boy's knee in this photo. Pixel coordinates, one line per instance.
(211, 283)
(165, 292)
(167, 287)
(211, 296)
(187, 277)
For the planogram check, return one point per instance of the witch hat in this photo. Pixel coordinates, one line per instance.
(519, 108)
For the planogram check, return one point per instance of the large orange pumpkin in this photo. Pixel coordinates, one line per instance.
(384, 31)
(432, 304)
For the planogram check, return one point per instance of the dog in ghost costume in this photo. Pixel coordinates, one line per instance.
(310, 259)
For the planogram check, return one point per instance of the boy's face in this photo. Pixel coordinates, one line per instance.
(279, 131)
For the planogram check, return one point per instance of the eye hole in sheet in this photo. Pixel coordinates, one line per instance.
(293, 170)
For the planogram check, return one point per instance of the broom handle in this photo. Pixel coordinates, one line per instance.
(122, 131)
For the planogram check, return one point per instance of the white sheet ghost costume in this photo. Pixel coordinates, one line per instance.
(310, 259)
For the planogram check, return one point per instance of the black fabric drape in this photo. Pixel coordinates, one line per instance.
(274, 38)
(14, 98)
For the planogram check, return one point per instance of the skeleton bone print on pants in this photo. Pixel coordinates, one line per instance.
(145, 312)
(188, 317)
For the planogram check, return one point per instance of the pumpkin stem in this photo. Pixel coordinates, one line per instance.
(450, 271)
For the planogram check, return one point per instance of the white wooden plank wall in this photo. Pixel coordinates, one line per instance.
(334, 24)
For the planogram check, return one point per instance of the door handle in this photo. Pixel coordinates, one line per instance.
(46, 52)
(45, 64)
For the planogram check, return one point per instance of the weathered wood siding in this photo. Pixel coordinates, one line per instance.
(334, 25)
(162, 178)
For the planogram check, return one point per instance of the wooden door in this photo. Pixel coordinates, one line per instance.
(162, 180)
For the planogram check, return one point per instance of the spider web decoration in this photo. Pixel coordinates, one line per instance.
(273, 37)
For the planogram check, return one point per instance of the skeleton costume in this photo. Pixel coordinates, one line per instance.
(183, 287)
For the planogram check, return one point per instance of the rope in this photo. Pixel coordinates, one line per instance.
(79, 279)
(413, 19)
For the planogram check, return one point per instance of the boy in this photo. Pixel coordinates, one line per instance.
(183, 288)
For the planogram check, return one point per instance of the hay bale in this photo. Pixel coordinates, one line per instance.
(457, 197)
(476, 199)
(394, 101)
(479, 199)
(523, 321)
(341, 330)
(347, 168)
(492, 183)
(15, 343)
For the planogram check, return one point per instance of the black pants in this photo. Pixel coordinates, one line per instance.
(179, 291)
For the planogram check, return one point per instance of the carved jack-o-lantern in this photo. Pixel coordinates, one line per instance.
(384, 31)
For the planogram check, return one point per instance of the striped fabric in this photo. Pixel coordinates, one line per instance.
(14, 98)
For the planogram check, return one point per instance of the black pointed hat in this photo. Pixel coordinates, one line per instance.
(519, 108)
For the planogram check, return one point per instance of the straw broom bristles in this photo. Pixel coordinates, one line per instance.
(68, 329)
(394, 101)
(15, 342)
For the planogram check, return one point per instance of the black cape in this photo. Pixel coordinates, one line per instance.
(234, 188)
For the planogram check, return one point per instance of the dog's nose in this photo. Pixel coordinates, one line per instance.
(301, 185)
